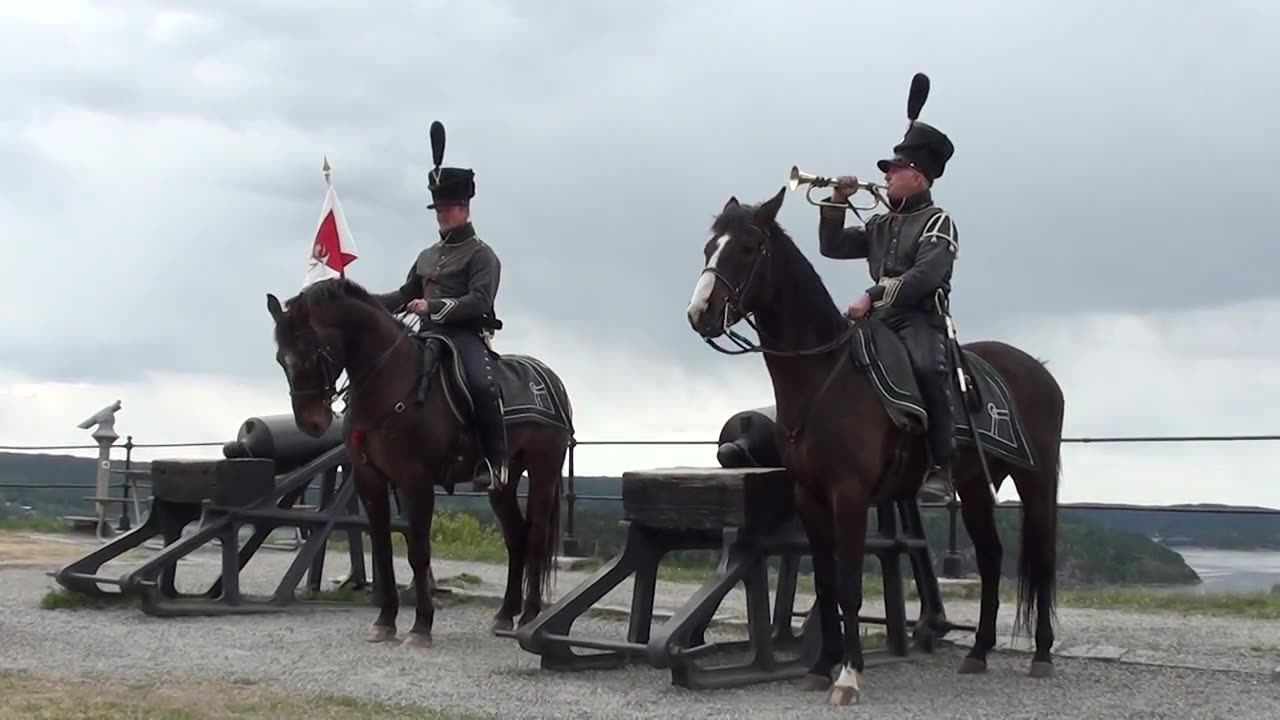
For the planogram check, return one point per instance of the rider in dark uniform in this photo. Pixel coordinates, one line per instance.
(452, 286)
(910, 251)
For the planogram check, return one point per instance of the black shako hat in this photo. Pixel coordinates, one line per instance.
(924, 147)
(448, 185)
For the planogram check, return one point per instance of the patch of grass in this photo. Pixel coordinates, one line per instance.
(1258, 605)
(64, 599)
(461, 536)
(454, 536)
(39, 698)
(34, 523)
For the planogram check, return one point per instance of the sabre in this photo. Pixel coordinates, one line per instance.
(957, 359)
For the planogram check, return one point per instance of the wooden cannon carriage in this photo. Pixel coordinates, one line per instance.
(261, 484)
(748, 513)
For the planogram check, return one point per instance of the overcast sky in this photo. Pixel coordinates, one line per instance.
(160, 172)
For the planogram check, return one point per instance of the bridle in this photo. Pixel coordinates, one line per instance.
(734, 303)
(330, 369)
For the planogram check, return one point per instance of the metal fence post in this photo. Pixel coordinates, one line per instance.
(569, 544)
(951, 565)
(128, 483)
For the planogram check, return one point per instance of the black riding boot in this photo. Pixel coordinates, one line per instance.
(942, 442)
(491, 471)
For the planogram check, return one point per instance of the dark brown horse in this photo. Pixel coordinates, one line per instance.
(838, 441)
(335, 325)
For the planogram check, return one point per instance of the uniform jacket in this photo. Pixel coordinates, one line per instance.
(909, 252)
(458, 277)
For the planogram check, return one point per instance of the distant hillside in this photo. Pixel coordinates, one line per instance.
(1228, 531)
(50, 472)
(1173, 528)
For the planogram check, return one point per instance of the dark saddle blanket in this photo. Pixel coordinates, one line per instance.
(994, 415)
(531, 392)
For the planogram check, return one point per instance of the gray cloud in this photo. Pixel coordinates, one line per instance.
(1114, 165)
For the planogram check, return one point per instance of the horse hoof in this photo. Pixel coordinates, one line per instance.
(380, 633)
(972, 666)
(1041, 669)
(501, 624)
(814, 683)
(845, 691)
(843, 696)
(416, 640)
(527, 618)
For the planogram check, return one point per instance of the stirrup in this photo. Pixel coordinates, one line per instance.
(936, 488)
(494, 479)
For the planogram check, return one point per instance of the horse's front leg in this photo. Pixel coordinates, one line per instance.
(815, 516)
(420, 506)
(850, 519)
(373, 492)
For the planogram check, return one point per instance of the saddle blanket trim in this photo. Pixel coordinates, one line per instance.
(530, 391)
(1002, 437)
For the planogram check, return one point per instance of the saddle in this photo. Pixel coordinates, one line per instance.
(530, 392)
(987, 410)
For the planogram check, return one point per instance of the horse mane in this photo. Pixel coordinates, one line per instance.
(795, 268)
(808, 282)
(300, 307)
(329, 290)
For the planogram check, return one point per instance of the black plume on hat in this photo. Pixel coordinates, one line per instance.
(448, 185)
(924, 147)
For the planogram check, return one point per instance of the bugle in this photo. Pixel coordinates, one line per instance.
(799, 177)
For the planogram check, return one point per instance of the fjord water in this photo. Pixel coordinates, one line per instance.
(1231, 571)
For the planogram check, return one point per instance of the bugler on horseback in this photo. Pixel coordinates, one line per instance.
(910, 251)
(849, 409)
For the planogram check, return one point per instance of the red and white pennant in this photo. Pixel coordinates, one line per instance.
(334, 247)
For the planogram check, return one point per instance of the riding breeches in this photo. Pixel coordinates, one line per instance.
(926, 342)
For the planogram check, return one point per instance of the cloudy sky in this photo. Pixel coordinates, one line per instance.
(160, 172)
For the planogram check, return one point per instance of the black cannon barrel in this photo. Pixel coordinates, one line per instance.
(747, 439)
(277, 437)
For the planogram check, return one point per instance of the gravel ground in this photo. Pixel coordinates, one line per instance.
(470, 671)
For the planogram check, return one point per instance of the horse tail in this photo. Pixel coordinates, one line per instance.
(552, 543)
(1038, 552)
(549, 541)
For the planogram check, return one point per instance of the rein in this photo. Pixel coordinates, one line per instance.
(331, 369)
(745, 345)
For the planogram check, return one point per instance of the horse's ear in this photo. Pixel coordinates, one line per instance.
(733, 202)
(273, 306)
(768, 211)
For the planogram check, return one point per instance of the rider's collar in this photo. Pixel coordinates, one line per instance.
(460, 234)
(912, 203)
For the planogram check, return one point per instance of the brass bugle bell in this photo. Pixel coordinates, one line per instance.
(799, 177)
